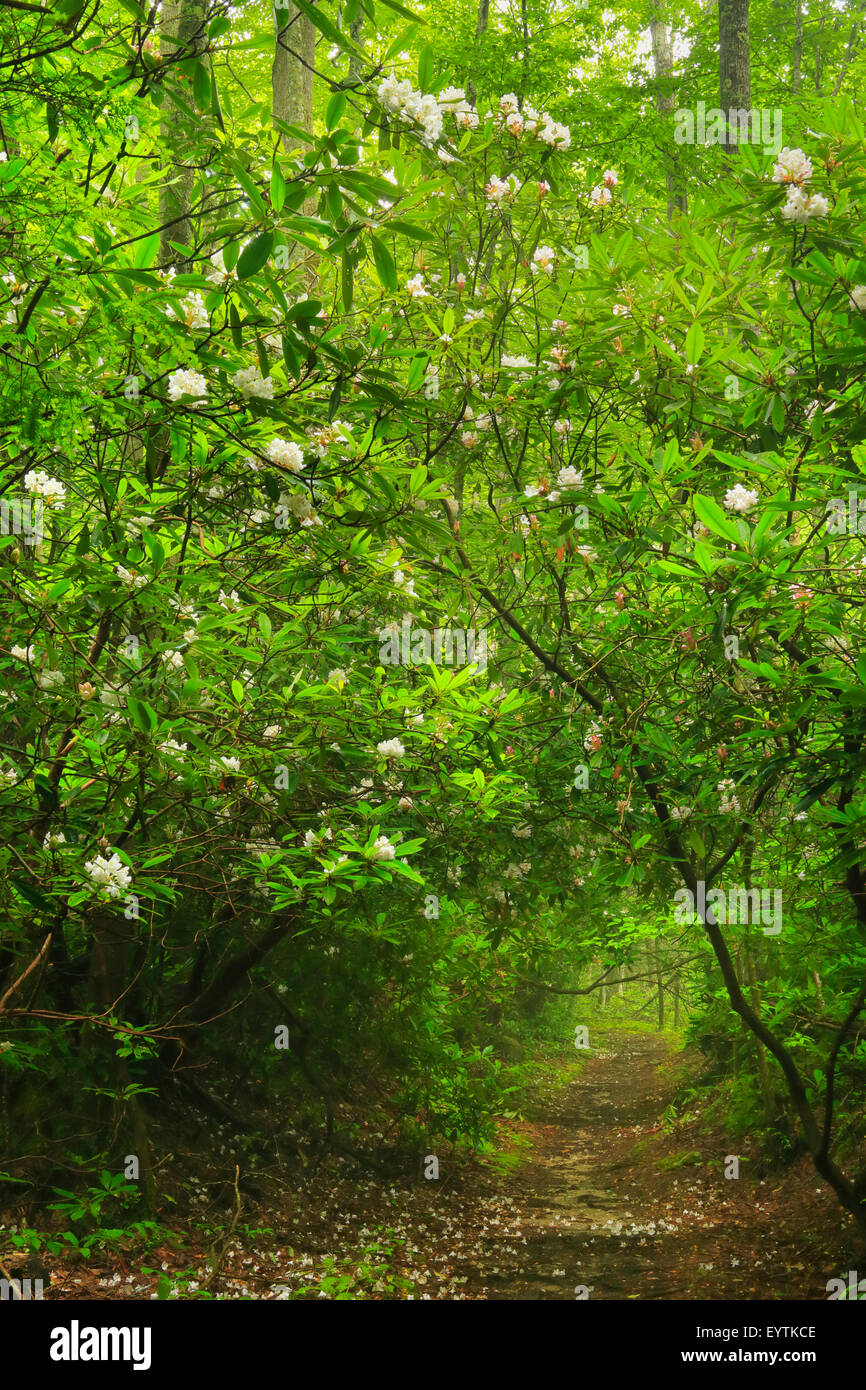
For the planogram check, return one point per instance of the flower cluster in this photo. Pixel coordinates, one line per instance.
(531, 122)
(286, 453)
(593, 740)
(110, 876)
(543, 258)
(186, 383)
(401, 99)
(250, 382)
(793, 168)
(729, 803)
(193, 312)
(453, 103)
(383, 849)
(497, 190)
(52, 491)
(740, 499)
(391, 748)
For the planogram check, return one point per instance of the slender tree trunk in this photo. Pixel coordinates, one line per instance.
(356, 29)
(292, 91)
(755, 1001)
(797, 56)
(480, 31)
(663, 62)
(182, 33)
(660, 983)
(524, 19)
(735, 71)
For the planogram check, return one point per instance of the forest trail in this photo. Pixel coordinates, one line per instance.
(614, 1205)
(597, 1186)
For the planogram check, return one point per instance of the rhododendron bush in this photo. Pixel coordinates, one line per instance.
(285, 402)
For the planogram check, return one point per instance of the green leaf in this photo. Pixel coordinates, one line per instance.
(334, 111)
(143, 715)
(32, 895)
(251, 189)
(386, 267)
(255, 255)
(425, 68)
(348, 280)
(278, 189)
(710, 513)
(409, 229)
(235, 321)
(201, 85)
(327, 27)
(694, 343)
(145, 251)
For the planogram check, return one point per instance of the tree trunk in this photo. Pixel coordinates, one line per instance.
(292, 71)
(735, 79)
(182, 34)
(292, 93)
(480, 31)
(663, 65)
(660, 984)
(797, 56)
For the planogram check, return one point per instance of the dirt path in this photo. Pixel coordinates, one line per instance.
(612, 1205)
(594, 1193)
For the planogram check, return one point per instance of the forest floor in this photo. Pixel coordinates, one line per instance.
(591, 1193)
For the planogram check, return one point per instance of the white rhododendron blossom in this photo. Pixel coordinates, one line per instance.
(110, 876)
(322, 437)
(218, 274)
(383, 849)
(391, 748)
(610, 178)
(497, 190)
(193, 312)
(600, 196)
(402, 100)
(250, 382)
(286, 453)
(48, 488)
(569, 477)
(416, 288)
(518, 363)
(792, 166)
(135, 525)
(740, 499)
(556, 135)
(801, 208)
(452, 102)
(23, 653)
(185, 383)
(130, 578)
(593, 740)
(230, 602)
(857, 297)
(729, 804)
(543, 258)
